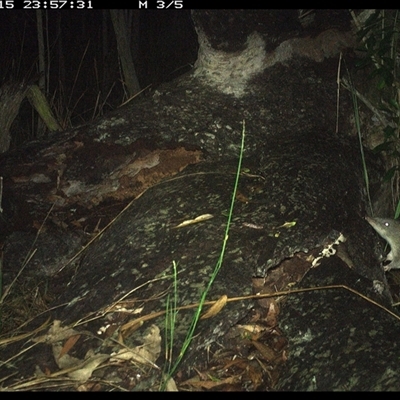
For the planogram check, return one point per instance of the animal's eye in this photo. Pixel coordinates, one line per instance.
(387, 224)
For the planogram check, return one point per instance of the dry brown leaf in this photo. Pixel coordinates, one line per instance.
(255, 375)
(69, 344)
(171, 386)
(267, 352)
(131, 326)
(216, 307)
(213, 384)
(146, 353)
(272, 315)
(254, 329)
(86, 369)
(66, 361)
(237, 362)
(89, 387)
(56, 333)
(200, 218)
(78, 144)
(242, 198)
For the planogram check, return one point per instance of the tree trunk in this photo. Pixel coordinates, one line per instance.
(122, 33)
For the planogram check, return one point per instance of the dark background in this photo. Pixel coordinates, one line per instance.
(84, 74)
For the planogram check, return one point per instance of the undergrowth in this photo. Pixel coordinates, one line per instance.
(378, 36)
(171, 313)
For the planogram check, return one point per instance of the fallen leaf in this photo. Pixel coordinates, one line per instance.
(83, 373)
(147, 352)
(216, 307)
(203, 217)
(69, 344)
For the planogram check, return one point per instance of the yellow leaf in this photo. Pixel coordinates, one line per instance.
(216, 307)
